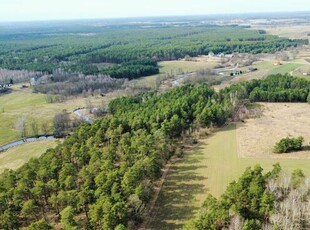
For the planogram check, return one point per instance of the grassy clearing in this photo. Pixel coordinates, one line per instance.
(224, 165)
(274, 121)
(285, 68)
(207, 169)
(181, 66)
(293, 32)
(183, 192)
(24, 103)
(19, 155)
(171, 68)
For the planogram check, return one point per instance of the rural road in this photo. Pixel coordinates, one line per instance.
(25, 140)
(77, 112)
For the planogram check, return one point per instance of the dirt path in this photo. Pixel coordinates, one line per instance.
(151, 214)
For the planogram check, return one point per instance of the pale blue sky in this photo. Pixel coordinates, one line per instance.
(17, 10)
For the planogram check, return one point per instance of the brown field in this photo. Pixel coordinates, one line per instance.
(293, 32)
(256, 137)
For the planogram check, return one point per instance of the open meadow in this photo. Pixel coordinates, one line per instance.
(19, 155)
(22, 103)
(170, 69)
(293, 32)
(223, 157)
(256, 137)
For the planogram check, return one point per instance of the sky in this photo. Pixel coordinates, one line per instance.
(29, 10)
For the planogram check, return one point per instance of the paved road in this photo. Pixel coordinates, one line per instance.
(25, 140)
(78, 113)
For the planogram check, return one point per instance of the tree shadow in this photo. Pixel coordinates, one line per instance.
(306, 148)
(175, 205)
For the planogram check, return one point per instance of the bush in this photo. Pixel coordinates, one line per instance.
(288, 145)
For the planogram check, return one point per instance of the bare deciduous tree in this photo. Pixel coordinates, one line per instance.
(44, 128)
(35, 128)
(61, 123)
(21, 126)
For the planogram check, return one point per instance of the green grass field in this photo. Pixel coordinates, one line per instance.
(15, 105)
(285, 68)
(182, 193)
(19, 155)
(171, 68)
(207, 169)
(33, 107)
(181, 66)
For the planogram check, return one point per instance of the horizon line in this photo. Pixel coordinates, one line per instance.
(151, 16)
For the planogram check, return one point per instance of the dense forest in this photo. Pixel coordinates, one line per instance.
(274, 88)
(258, 201)
(102, 176)
(84, 48)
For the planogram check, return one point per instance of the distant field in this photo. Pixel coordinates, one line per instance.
(24, 103)
(17, 156)
(293, 32)
(285, 68)
(208, 169)
(265, 68)
(181, 66)
(171, 68)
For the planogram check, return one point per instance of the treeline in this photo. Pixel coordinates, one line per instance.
(258, 201)
(70, 84)
(129, 70)
(119, 45)
(16, 76)
(133, 69)
(102, 176)
(274, 88)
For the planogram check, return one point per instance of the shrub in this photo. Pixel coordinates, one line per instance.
(288, 145)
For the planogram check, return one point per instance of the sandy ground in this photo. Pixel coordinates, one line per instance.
(256, 137)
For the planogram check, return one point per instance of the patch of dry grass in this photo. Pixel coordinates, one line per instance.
(256, 137)
(293, 32)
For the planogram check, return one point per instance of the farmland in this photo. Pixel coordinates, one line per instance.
(208, 169)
